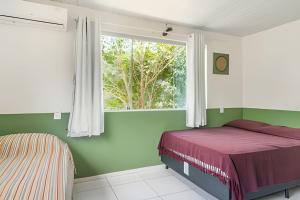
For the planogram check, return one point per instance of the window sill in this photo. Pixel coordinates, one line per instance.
(145, 110)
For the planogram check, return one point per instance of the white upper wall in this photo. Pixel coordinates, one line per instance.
(36, 65)
(35, 70)
(224, 90)
(271, 68)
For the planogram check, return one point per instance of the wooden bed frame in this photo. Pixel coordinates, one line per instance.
(216, 188)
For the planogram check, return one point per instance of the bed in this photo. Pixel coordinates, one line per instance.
(241, 160)
(35, 166)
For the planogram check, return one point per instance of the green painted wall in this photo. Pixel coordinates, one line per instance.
(131, 138)
(129, 141)
(275, 117)
(215, 118)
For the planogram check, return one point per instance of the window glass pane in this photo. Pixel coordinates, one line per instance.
(140, 74)
(116, 54)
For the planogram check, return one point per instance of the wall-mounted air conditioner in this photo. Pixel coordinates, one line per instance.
(33, 14)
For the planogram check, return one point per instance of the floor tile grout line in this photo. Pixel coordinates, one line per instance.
(172, 175)
(119, 173)
(205, 195)
(160, 196)
(151, 188)
(126, 183)
(132, 171)
(190, 185)
(104, 176)
(113, 176)
(143, 179)
(154, 177)
(164, 195)
(112, 189)
(151, 198)
(90, 189)
(156, 195)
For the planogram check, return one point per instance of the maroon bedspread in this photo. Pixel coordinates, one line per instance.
(244, 155)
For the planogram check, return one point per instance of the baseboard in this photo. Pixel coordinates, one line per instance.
(118, 173)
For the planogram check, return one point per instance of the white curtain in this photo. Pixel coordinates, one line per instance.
(195, 94)
(87, 117)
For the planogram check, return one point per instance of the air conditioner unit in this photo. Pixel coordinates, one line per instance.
(33, 14)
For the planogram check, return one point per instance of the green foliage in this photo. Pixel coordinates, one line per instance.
(143, 75)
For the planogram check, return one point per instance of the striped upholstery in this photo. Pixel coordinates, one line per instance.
(34, 166)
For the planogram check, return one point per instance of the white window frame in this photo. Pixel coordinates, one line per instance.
(144, 38)
(149, 39)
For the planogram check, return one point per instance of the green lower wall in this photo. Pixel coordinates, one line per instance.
(131, 138)
(275, 117)
(129, 141)
(215, 118)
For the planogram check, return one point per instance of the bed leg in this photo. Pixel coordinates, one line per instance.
(167, 167)
(286, 193)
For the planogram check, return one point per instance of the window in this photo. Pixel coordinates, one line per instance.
(140, 74)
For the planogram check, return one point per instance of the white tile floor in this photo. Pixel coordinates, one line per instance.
(151, 183)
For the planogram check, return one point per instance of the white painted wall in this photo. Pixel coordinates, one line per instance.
(35, 70)
(36, 65)
(271, 69)
(224, 90)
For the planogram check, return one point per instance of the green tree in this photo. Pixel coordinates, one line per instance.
(143, 75)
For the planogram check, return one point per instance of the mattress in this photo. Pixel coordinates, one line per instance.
(244, 155)
(35, 166)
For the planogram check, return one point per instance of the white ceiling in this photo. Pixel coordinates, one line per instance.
(237, 17)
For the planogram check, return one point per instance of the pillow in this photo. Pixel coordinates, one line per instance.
(247, 124)
(282, 131)
(261, 127)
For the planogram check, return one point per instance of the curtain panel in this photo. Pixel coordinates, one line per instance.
(87, 115)
(195, 85)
